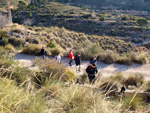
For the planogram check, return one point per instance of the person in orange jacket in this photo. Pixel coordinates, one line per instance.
(71, 57)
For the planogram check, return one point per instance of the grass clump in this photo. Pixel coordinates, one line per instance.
(16, 41)
(9, 47)
(131, 103)
(51, 44)
(32, 49)
(108, 57)
(136, 79)
(16, 99)
(55, 51)
(118, 77)
(51, 69)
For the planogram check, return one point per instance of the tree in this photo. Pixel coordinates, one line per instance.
(142, 22)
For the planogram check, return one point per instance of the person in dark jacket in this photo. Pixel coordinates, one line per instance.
(43, 52)
(78, 62)
(123, 89)
(92, 71)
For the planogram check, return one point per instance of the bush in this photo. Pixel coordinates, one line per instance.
(87, 50)
(16, 30)
(51, 44)
(135, 79)
(36, 41)
(118, 77)
(142, 59)
(6, 59)
(55, 51)
(4, 41)
(10, 48)
(102, 19)
(32, 49)
(108, 57)
(142, 22)
(82, 79)
(16, 41)
(6, 63)
(124, 18)
(50, 69)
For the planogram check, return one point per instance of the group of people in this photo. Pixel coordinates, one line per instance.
(91, 69)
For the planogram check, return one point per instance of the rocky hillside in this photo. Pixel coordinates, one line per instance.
(120, 24)
(13, 4)
(112, 4)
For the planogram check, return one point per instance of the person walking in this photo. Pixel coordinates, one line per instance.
(43, 52)
(58, 58)
(93, 60)
(70, 56)
(78, 62)
(92, 71)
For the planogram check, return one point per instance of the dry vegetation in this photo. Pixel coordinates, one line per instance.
(56, 39)
(51, 88)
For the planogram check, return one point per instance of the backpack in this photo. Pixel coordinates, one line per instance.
(55, 57)
(88, 69)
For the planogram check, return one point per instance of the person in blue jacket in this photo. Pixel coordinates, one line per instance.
(93, 60)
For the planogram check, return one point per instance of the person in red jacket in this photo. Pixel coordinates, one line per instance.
(70, 56)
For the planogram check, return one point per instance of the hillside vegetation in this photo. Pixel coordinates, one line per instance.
(51, 88)
(130, 26)
(112, 4)
(56, 39)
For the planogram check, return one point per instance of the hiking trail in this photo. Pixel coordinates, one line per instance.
(105, 69)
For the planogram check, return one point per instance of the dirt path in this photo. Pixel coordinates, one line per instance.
(105, 69)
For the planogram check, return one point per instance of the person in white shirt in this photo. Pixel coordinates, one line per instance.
(58, 58)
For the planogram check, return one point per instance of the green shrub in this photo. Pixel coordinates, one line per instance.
(32, 49)
(124, 18)
(142, 22)
(30, 15)
(102, 19)
(4, 41)
(52, 44)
